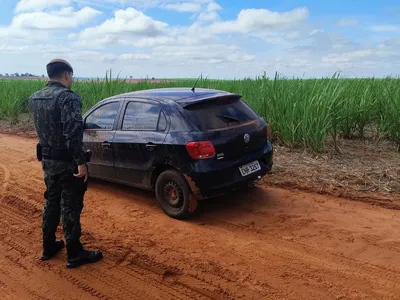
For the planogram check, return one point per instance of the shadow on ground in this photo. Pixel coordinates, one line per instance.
(230, 205)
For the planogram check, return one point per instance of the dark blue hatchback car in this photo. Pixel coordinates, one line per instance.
(184, 145)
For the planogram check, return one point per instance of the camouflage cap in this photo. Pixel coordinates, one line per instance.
(62, 63)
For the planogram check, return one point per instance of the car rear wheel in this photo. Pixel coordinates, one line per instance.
(173, 194)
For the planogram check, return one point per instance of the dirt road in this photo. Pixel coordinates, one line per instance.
(268, 244)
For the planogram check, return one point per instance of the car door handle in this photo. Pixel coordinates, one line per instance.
(151, 146)
(106, 144)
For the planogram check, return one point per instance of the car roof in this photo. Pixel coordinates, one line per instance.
(181, 95)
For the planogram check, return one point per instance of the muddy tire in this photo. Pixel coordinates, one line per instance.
(174, 195)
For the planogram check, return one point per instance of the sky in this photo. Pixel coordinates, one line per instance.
(216, 38)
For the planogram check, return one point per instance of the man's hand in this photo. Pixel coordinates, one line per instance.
(82, 172)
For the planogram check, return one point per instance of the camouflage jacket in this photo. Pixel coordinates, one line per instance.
(57, 115)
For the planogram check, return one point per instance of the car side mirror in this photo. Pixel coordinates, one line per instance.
(90, 126)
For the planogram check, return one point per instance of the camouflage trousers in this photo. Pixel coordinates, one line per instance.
(63, 199)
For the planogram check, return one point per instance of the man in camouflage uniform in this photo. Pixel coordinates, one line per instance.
(58, 121)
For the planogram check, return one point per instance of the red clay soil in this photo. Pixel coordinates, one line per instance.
(364, 171)
(267, 243)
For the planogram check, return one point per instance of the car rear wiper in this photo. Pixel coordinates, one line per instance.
(229, 118)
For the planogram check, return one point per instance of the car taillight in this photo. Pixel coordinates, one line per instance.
(200, 150)
(267, 132)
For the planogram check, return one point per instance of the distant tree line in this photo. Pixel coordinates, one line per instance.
(19, 75)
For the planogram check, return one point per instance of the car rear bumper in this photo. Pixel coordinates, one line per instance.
(213, 178)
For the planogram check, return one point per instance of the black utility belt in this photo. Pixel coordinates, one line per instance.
(56, 154)
(52, 154)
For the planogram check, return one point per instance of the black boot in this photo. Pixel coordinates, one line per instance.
(50, 251)
(84, 257)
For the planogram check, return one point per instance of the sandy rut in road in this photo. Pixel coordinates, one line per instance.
(267, 244)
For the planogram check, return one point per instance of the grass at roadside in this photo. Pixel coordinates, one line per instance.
(301, 112)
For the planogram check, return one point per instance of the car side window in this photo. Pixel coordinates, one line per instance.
(162, 122)
(143, 116)
(103, 117)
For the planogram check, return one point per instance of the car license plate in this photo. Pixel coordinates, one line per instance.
(250, 168)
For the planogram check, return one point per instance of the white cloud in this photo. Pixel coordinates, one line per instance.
(184, 7)
(41, 26)
(133, 42)
(163, 4)
(134, 56)
(347, 56)
(213, 6)
(386, 28)
(347, 22)
(211, 53)
(293, 35)
(144, 3)
(209, 14)
(4, 48)
(152, 41)
(250, 20)
(65, 18)
(133, 28)
(389, 44)
(124, 25)
(370, 55)
(323, 43)
(39, 5)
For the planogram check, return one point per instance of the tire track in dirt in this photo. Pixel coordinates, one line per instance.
(11, 283)
(13, 215)
(17, 255)
(9, 211)
(246, 229)
(261, 245)
(224, 226)
(139, 262)
(92, 282)
(211, 282)
(82, 284)
(306, 255)
(47, 287)
(5, 290)
(220, 283)
(5, 176)
(139, 265)
(22, 205)
(219, 271)
(32, 207)
(183, 283)
(236, 228)
(118, 278)
(18, 245)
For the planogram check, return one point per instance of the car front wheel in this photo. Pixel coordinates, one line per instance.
(173, 194)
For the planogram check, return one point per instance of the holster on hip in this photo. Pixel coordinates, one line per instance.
(88, 155)
(39, 152)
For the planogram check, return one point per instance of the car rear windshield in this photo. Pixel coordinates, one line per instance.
(221, 113)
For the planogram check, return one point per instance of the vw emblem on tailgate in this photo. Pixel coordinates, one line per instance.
(246, 138)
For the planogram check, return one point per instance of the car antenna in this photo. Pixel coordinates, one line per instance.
(193, 88)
